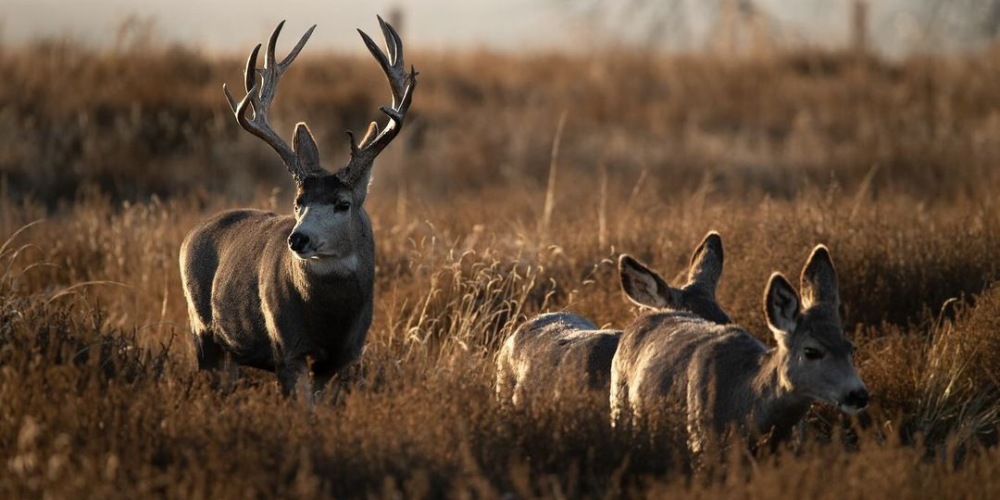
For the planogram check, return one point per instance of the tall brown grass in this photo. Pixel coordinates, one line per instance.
(118, 154)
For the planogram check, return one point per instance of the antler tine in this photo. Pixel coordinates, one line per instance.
(393, 65)
(259, 97)
(398, 110)
(248, 79)
(287, 61)
(241, 110)
(250, 71)
(376, 52)
(269, 62)
(229, 97)
(392, 42)
(402, 84)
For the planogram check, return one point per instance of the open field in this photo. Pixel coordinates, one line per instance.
(119, 154)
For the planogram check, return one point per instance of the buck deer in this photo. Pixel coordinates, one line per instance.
(293, 293)
(721, 375)
(562, 351)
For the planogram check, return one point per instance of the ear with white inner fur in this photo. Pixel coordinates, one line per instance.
(781, 307)
(819, 279)
(706, 262)
(643, 286)
(306, 152)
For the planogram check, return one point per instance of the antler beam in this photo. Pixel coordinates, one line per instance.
(402, 84)
(259, 96)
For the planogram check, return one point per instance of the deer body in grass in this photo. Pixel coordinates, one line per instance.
(293, 293)
(722, 376)
(557, 352)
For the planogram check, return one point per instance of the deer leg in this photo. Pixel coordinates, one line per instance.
(230, 372)
(697, 444)
(504, 385)
(293, 376)
(699, 431)
(210, 354)
(621, 417)
(323, 372)
(332, 377)
(214, 358)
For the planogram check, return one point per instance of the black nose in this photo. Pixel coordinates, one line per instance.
(297, 242)
(857, 398)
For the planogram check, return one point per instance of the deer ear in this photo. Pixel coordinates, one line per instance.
(781, 307)
(643, 286)
(306, 152)
(819, 279)
(706, 262)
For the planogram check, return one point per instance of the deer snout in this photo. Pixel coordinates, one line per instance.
(298, 241)
(856, 400)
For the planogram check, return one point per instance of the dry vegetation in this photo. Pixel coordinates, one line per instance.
(894, 166)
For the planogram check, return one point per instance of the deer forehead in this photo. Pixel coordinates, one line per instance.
(322, 189)
(827, 334)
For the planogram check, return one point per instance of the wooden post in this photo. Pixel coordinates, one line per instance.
(396, 19)
(859, 27)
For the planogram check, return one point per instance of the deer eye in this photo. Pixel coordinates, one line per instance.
(342, 206)
(813, 354)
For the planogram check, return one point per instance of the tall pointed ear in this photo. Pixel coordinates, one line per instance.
(781, 307)
(819, 279)
(306, 152)
(643, 286)
(706, 262)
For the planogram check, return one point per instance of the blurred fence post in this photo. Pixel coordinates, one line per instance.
(742, 28)
(396, 19)
(859, 27)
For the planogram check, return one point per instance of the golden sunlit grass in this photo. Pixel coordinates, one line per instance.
(118, 155)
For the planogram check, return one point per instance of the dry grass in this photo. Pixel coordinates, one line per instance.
(893, 166)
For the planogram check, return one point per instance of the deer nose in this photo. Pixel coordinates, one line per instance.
(857, 398)
(297, 242)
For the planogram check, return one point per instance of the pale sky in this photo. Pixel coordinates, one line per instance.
(229, 24)
(233, 25)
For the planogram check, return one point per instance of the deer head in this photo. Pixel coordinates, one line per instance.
(328, 206)
(646, 288)
(814, 356)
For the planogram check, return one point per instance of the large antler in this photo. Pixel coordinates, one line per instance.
(260, 94)
(402, 84)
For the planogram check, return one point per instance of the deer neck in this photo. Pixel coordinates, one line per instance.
(776, 406)
(316, 279)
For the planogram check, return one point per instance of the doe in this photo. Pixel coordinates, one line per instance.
(720, 375)
(553, 352)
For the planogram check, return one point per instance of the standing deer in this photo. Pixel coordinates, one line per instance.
(562, 351)
(293, 293)
(721, 375)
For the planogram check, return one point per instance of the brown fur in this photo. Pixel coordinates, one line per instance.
(253, 301)
(722, 375)
(293, 294)
(554, 352)
(561, 351)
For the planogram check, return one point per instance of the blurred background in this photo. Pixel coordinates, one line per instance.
(897, 27)
(623, 111)
(124, 98)
(545, 138)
